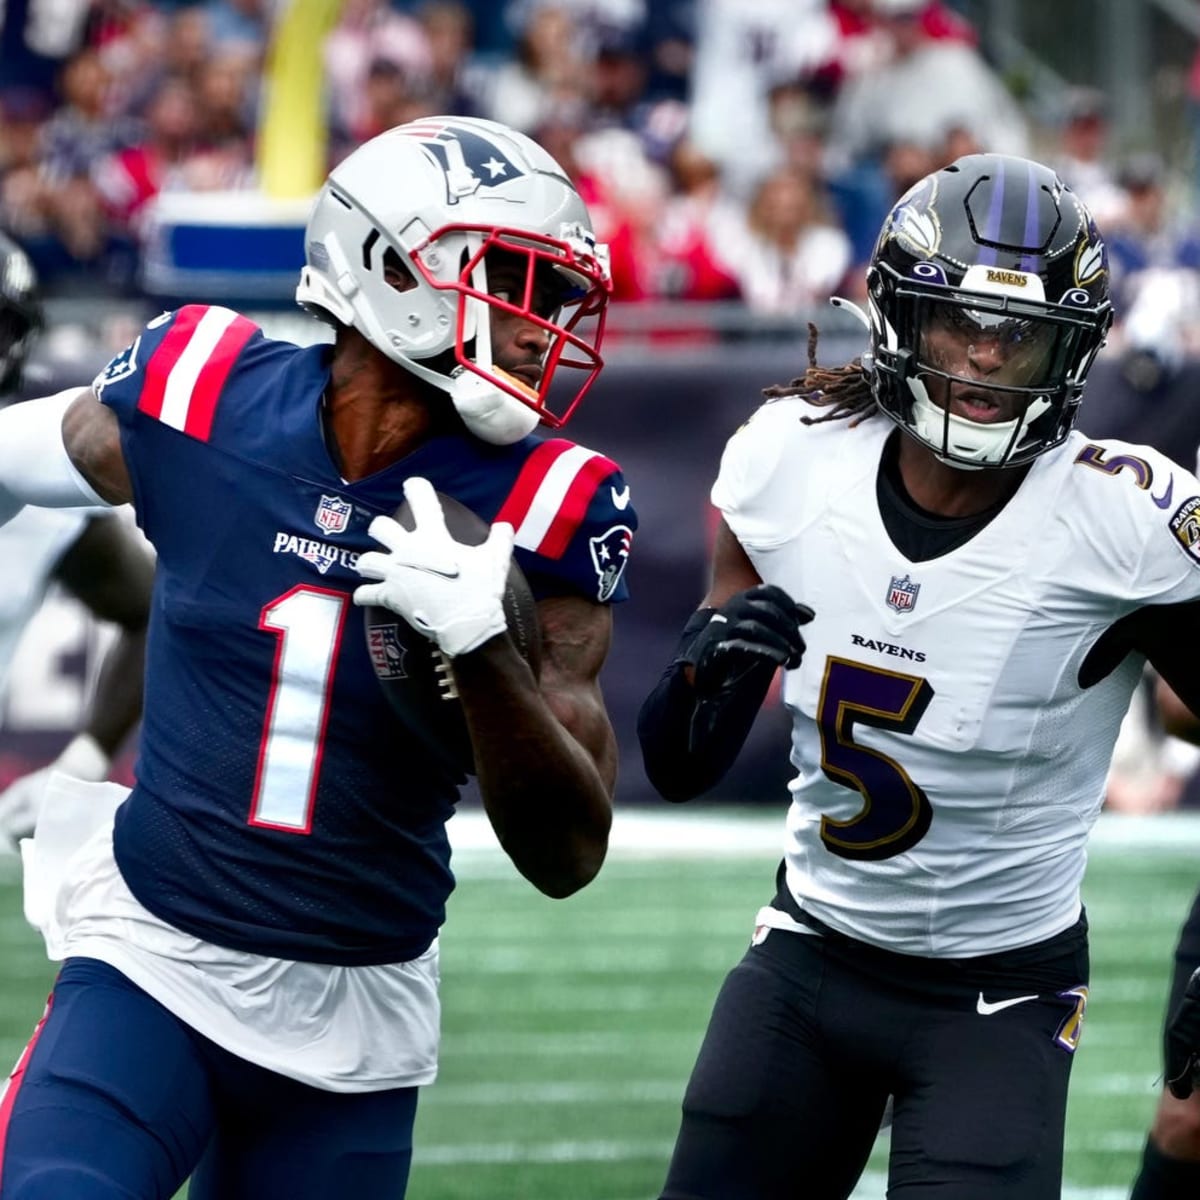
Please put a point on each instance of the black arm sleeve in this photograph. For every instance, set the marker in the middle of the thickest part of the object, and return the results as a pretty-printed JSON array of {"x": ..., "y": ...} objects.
[
  {"x": 1166, "y": 635},
  {"x": 688, "y": 744}
]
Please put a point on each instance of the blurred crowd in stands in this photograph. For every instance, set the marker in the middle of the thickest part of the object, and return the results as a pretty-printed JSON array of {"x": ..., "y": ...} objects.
[{"x": 728, "y": 150}]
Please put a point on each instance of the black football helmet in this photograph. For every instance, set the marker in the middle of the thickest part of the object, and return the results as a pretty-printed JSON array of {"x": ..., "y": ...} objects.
[
  {"x": 998, "y": 245},
  {"x": 20, "y": 312}
]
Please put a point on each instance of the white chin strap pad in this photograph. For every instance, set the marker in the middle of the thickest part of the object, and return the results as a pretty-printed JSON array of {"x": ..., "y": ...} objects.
[
  {"x": 973, "y": 444},
  {"x": 490, "y": 414}
]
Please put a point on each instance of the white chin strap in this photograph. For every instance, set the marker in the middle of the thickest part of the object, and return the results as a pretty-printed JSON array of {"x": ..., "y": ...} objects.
[
  {"x": 972, "y": 444},
  {"x": 490, "y": 414},
  {"x": 487, "y": 411}
]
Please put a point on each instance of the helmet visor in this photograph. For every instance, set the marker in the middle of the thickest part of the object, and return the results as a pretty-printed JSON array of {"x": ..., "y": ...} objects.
[{"x": 996, "y": 349}]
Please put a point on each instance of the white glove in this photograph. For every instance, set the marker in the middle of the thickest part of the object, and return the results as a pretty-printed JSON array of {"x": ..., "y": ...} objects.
[
  {"x": 21, "y": 801},
  {"x": 451, "y": 592}
]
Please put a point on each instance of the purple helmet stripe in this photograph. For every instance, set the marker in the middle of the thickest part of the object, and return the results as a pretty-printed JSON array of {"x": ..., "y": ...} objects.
[
  {"x": 1033, "y": 233},
  {"x": 991, "y": 229}
]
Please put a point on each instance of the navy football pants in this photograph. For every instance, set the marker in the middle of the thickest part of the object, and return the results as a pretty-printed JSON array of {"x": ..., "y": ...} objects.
[
  {"x": 117, "y": 1098},
  {"x": 810, "y": 1035}
]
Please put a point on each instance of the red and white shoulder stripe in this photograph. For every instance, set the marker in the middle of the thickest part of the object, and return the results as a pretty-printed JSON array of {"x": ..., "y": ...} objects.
[
  {"x": 187, "y": 370},
  {"x": 552, "y": 494}
]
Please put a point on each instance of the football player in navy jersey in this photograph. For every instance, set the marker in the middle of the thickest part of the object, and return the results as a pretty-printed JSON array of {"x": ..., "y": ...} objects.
[
  {"x": 88, "y": 551},
  {"x": 962, "y": 592},
  {"x": 249, "y": 992}
]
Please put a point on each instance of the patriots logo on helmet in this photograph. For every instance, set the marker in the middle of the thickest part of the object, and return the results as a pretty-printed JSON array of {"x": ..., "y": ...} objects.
[
  {"x": 610, "y": 552},
  {"x": 469, "y": 160}
]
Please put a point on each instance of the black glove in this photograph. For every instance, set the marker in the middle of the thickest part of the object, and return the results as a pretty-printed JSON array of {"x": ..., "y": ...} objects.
[
  {"x": 1183, "y": 1042},
  {"x": 756, "y": 628}
]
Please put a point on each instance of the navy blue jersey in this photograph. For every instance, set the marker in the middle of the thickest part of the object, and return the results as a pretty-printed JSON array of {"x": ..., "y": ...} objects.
[{"x": 280, "y": 806}]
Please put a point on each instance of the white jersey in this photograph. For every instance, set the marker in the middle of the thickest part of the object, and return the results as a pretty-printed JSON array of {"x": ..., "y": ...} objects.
[
  {"x": 31, "y": 545},
  {"x": 341, "y": 1029},
  {"x": 949, "y": 763}
]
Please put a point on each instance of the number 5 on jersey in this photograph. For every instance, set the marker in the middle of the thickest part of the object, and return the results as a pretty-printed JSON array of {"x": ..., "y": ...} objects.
[{"x": 896, "y": 813}]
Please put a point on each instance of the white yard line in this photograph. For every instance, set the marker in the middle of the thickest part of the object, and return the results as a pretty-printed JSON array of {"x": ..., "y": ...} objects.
[
  {"x": 494, "y": 1153},
  {"x": 730, "y": 833}
]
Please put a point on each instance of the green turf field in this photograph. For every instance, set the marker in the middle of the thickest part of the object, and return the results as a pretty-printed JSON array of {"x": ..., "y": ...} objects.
[{"x": 569, "y": 1027}]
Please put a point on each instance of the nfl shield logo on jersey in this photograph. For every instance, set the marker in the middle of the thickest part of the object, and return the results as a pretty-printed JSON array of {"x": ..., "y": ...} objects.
[
  {"x": 333, "y": 514},
  {"x": 387, "y": 653},
  {"x": 902, "y": 594}
]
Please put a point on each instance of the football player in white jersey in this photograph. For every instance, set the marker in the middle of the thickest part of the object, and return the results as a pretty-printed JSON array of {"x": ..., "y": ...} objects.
[
  {"x": 979, "y": 587},
  {"x": 90, "y": 553}
]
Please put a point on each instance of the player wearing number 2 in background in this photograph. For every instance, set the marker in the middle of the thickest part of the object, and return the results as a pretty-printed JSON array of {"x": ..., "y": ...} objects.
[
  {"x": 978, "y": 586},
  {"x": 249, "y": 995}
]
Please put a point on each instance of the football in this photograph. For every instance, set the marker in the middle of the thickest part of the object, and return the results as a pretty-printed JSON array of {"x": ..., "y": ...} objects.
[{"x": 416, "y": 677}]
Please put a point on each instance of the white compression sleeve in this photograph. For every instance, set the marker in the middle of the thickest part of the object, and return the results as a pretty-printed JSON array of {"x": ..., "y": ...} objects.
[{"x": 34, "y": 465}]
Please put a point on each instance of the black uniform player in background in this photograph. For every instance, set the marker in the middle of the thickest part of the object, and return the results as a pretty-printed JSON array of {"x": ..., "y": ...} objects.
[
  {"x": 1170, "y": 1168},
  {"x": 1148, "y": 394},
  {"x": 89, "y": 552}
]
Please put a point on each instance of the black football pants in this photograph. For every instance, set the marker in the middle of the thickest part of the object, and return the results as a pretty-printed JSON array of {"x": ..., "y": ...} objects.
[
  {"x": 812, "y": 1033},
  {"x": 1187, "y": 959}
]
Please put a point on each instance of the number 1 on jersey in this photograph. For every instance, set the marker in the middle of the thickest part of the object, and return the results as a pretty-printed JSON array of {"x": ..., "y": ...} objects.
[{"x": 307, "y": 623}]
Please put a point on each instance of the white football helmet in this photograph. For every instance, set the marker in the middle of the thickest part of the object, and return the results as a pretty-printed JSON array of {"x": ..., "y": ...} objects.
[{"x": 436, "y": 197}]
